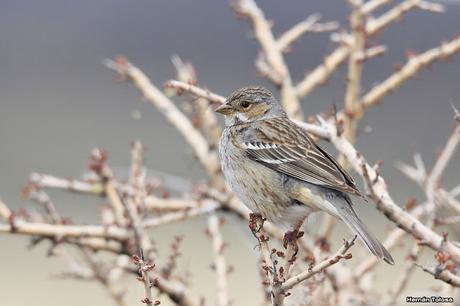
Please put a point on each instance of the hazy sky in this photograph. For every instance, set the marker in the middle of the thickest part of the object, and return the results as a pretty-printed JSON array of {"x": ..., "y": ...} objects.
[{"x": 58, "y": 101}]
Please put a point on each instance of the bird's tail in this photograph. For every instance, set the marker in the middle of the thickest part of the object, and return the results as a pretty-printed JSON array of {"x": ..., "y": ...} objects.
[{"x": 351, "y": 219}]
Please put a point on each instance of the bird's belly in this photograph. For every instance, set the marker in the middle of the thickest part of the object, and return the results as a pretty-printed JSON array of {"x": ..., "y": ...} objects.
[{"x": 262, "y": 190}]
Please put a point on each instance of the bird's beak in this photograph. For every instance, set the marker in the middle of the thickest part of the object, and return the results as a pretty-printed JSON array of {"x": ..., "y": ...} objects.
[{"x": 225, "y": 109}]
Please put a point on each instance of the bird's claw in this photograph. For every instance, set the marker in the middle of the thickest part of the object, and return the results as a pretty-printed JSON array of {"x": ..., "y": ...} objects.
[{"x": 290, "y": 239}]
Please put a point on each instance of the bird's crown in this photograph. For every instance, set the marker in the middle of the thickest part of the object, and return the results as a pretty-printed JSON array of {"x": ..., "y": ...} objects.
[
  {"x": 250, "y": 104},
  {"x": 252, "y": 93}
]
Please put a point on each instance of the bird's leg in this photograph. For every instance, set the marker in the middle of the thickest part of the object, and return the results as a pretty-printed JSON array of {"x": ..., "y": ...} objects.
[{"x": 290, "y": 244}]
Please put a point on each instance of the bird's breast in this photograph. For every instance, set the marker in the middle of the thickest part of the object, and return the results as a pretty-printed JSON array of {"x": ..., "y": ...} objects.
[{"x": 260, "y": 188}]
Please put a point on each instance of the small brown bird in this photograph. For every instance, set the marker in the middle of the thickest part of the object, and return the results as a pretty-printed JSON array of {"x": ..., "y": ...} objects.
[{"x": 275, "y": 168}]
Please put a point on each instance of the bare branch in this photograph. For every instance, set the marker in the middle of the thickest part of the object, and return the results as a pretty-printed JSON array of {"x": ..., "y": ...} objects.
[
  {"x": 371, "y": 52},
  {"x": 206, "y": 207},
  {"x": 5, "y": 211},
  {"x": 443, "y": 159},
  {"x": 195, "y": 139},
  {"x": 203, "y": 115},
  {"x": 196, "y": 91},
  {"x": 256, "y": 224},
  {"x": 43, "y": 198},
  {"x": 219, "y": 260},
  {"x": 273, "y": 54},
  {"x": 74, "y": 270},
  {"x": 353, "y": 109},
  {"x": 265, "y": 70},
  {"x": 310, "y": 24},
  {"x": 98, "y": 244},
  {"x": 156, "y": 204},
  {"x": 375, "y": 25},
  {"x": 432, "y": 7},
  {"x": 416, "y": 173},
  {"x": 144, "y": 268},
  {"x": 321, "y": 73},
  {"x": 175, "y": 290},
  {"x": 413, "y": 65},
  {"x": 372, "y": 5},
  {"x": 340, "y": 255},
  {"x": 383, "y": 200},
  {"x": 263, "y": 32},
  {"x": 447, "y": 220},
  {"x": 442, "y": 274},
  {"x": 50, "y": 181},
  {"x": 100, "y": 273},
  {"x": 53, "y": 230}
]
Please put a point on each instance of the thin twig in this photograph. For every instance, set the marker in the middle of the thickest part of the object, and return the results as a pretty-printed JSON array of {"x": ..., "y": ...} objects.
[
  {"x": 394, "y": 14},
  {"x": 50, "y": 181},
  {"x": 196, "y": 140},
  {"x": 273, "y": 54},
  {"x": 205, "y": 208},
  {"x": 22, "y": 227},
  {"x": 203, "y": 115},
  {"x": 320, "y": 74},
  {"x": 256, "y": 224},
  {"x": 413, "y": 65},
  {"x": 220, "y": 264},
  {"x": 144, "y": 268},
  {"x": 310, "y": 24},
  {"x": 442, "y": 274},
  {"x": 340, "y": 255}
]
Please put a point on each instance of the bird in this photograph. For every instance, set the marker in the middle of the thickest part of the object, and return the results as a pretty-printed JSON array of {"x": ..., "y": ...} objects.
[{"x": 277, "y": 170}]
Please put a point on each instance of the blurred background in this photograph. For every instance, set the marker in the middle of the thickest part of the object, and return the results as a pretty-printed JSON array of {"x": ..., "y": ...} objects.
[{"x": 58, "y": 102}]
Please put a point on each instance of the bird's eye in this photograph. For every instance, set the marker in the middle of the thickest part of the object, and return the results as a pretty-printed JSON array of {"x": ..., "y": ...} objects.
[{"x": 245, "y": 104}]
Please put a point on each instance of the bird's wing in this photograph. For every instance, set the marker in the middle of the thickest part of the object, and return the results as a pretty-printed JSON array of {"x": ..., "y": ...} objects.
[{"x": 285, "y": 147}]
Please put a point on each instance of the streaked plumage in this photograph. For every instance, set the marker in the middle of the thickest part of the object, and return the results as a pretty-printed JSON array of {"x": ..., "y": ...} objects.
[{"x": 279, "y": 172}]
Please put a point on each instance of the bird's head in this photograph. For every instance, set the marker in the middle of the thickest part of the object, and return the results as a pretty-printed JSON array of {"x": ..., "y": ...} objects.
[{"x": 250, "y": 104}]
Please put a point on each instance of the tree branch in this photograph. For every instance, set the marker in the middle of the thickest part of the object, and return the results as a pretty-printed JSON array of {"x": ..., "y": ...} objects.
[
  {"x": 310, "y": 24},
  {"x": 273, "y": 54},
  {"x": 195, "y": 139},
  {"x": 219, "y": 260},
  {"x": 340, "y": 255},
  {"x": 413, "y": 65}
]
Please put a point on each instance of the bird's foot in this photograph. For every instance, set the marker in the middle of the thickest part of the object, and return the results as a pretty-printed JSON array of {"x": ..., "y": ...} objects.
[
  {"x": 256, "y": 224},
  {"x": 290, "y": 244},
  {"x": 290, "y": 241}
]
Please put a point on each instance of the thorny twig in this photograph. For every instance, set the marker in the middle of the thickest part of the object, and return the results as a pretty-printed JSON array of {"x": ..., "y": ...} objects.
[
  {"x": 340, "y": 255},
  {"x": 144, "y": 269}
]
